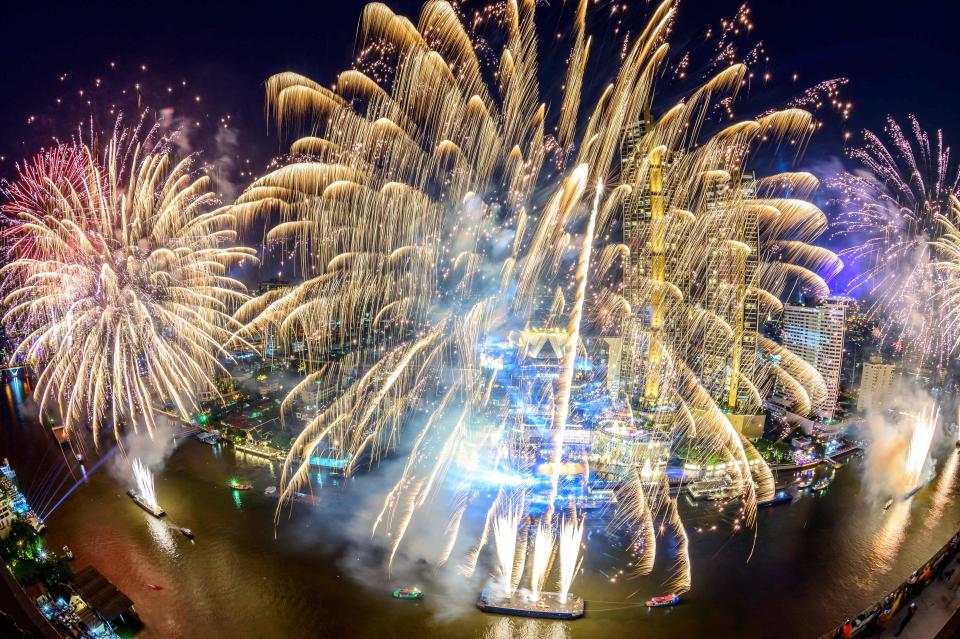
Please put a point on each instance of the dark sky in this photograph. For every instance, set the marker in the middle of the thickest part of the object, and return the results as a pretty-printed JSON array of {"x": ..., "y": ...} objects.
[{"x": 900, "y": 56}]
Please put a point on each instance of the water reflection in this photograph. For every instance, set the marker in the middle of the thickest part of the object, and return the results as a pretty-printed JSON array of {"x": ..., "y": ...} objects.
[
  {"x": 890, "y": 535},
  {"x": 945, "y": 488},
  {"x": 514, "y": 628},
  {"x": 162, "y": 536}
]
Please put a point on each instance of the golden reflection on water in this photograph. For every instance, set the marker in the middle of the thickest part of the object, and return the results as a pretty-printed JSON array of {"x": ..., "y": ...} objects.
[
  {"x": 887, "y": 539},
  {"x": 501, "y": 627},
  {"x": 945, "y": 488},
  {"x": 162, "y": 535}
]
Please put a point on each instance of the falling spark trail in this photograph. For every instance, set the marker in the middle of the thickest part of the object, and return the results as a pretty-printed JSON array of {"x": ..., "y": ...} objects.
[{"x": 562, "y": 409}]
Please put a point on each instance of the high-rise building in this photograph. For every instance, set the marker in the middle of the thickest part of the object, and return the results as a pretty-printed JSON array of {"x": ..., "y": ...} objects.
[
  {"x": 644, "y": 232},
  {"x": 875, "y": 384},
  {"x": 857, "y": 342},
  {"x": 732, "y": 238},
  {"x": 815, "y": 333}
]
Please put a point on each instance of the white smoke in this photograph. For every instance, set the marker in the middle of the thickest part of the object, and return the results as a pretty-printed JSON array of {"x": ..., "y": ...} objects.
[{"x": 888, "y": 430}]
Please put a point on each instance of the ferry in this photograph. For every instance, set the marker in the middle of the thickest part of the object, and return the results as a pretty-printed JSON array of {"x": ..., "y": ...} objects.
[
  {"x": 237, "y": 486},
  {"x": 666, "y": 600},
  {"x": 156, "y": 511},
  {"x": 408, "y": 593},
  {"x": 186, "y": 532}
]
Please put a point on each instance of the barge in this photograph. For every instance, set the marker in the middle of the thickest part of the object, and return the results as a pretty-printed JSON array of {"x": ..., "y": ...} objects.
[
  {"x": 156, "y": 511},
  {"x": 548, "y": 606}
]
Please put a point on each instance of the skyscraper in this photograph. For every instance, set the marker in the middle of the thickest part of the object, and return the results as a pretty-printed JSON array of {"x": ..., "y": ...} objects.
[{"x": 815, "y": 333}]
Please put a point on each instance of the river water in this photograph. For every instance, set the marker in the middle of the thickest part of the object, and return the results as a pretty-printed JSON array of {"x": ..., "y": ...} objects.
[{"x": 813, "y": 562}]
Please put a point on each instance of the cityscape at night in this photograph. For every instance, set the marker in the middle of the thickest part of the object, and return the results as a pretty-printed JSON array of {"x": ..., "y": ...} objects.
[{"x": 480, "y": 318}]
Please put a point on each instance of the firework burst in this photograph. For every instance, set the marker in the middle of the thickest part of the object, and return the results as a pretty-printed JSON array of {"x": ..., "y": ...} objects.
[
  {"x": 441, "y": 213},
  {"x": 117, "y": 283},
  {"x": 894, "y": 213}
]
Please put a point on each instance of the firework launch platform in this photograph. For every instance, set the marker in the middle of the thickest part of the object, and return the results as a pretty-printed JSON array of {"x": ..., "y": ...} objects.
[
  {"x": 520, "y": 604},
  {"x": 156, "y": 511}
]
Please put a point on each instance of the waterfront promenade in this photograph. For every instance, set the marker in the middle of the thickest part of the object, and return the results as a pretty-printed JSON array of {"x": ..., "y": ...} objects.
[{"x": 937, "y": 615}]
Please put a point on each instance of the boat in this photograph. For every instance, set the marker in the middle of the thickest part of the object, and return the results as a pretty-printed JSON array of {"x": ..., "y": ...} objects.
[
  {"x": 212, "y": 438},
  {"x": 666, "y": 600},
  {"x": 154, "y": 587},
  {"x": 804, "y": 483},
  {"x": 548, "y": 606},
  {"x": 187, "y": 532},
  {"x": 61, "y": 435},
  {"x": 408, "y": 593},
  {"x": 888, "y": 503},
  {"x": 67, "y": 553},
  {"x": 312, "y": 500},
  {"x": 156, "y": 511},
  {"x": 270, "y": 491},
  {"x": 236, "y": 486},
  {"x": 713, "y": 489},
  {"x": 822, "y": 483},
  {"x": 781, "y": 497}
]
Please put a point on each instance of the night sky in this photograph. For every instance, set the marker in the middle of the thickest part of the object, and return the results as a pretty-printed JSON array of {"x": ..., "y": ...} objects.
[{"x": 900, "y": 58}]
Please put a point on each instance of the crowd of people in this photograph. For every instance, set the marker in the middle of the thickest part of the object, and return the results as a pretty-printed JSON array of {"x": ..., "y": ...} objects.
[{"x": 879, "y": 617}]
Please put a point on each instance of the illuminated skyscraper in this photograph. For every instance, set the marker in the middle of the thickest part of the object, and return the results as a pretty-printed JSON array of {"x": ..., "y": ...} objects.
[
  {"x": 732, "y": 237},
  {"x": 815, "y": 333}
]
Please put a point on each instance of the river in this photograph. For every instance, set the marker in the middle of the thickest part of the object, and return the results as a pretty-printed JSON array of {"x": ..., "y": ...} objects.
[{"x": 813, "y": 562}]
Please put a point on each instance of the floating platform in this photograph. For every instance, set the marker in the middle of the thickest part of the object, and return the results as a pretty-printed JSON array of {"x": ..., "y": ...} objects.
[
  {"x": 518, "y": 604},
  {"x": 156, "y": 511}
]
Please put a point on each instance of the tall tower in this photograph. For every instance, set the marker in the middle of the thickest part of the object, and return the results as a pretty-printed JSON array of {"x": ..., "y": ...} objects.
[
  {"x": 815, "y": 333},
  {"x": 646, "y": 276},
  {"x": 729, "y": 295},
  {"x": 635, "y": 209}
]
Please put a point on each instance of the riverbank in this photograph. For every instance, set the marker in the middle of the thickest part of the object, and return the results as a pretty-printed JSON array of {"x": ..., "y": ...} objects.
[{"x": 932, "y": 587}]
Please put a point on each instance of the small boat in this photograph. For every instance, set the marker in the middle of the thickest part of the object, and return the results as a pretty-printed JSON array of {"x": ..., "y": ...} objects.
[
  {"x": 61, "y": 435},
  {"x": 236, "y": 486},
  {"x": 666, "y": 600},
  {"x": 270, "y": 491},
  {"x": 804, "y": 483},
  {"x": 67, "y": 553},
  {"x": 154, "y": 587},
  {"x": 823, "y": 483},
  {"x": 781, "y": 497},
  {"x": 408, "y": 593},
  {"x": 889, "y": 503},
  {"x": 186, "y": 532}
]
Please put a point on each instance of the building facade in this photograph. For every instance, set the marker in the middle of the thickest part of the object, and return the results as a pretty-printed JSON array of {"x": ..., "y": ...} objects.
[
  {"x": 815, "y": 333},
  {"x": 875, "y": 384}
]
